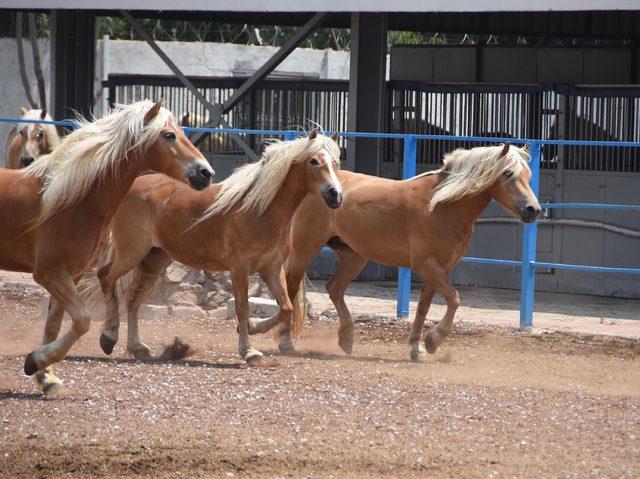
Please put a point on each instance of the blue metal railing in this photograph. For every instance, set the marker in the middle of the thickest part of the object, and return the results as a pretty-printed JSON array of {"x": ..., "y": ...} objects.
[{"x": 528, "y": 263}]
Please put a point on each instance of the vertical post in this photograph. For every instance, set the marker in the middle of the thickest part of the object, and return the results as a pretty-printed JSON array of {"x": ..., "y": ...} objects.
[
  {"x": 404, "y": 274},
  {"x": 529, "y": 238}
]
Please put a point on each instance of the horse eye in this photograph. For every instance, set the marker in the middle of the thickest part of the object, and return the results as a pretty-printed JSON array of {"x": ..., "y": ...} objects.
[
  {"x": 314, "y": 161},
  {"x": 508, "y": 174},
  {"x": 170, "y": 135},
  {"x": 39, "y": 135}
]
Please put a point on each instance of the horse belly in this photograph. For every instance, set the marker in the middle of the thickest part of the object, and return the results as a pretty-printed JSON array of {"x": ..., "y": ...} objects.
[{"x": 378, "y": 236}]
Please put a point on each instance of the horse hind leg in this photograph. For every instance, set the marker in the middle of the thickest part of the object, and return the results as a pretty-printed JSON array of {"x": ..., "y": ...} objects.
[
  {"x": 418, "y": 352},
  {"x": 144, "y": 279},
  {"x": 351, "y": 263},
  {"x": 46, "y": 378}
]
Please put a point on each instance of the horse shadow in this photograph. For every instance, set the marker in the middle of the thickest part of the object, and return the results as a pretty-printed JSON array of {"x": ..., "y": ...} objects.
[{"x": 192, "y": 363}]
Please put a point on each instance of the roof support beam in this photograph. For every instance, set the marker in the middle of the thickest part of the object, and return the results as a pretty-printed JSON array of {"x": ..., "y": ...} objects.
[
  {"x": 214, "y": 110},
  {"x": 301, "y": 34}
]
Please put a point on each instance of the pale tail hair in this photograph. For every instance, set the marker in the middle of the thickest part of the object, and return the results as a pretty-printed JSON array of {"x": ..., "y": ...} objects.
[
  {"x": 50, "y": 130},
  {"x": 470, "y": 172},
  {"x": 259, "y": 183},
  {"x": 92, "y": 152}
]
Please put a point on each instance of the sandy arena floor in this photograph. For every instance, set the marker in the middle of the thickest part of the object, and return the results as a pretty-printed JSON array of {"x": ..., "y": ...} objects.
[{"x": 492, "y": 402}]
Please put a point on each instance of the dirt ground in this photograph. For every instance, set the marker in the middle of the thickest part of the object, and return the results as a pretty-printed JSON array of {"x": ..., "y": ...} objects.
[{"x": 493, "y": 402}]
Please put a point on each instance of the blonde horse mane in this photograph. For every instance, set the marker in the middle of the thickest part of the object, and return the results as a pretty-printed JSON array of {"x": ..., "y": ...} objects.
[
  {"x": 469, "y": 172},
  {"x": 261, "y": 181},
  {"x": 50, "y": 130},
  {"x": 92, "y": 152}
]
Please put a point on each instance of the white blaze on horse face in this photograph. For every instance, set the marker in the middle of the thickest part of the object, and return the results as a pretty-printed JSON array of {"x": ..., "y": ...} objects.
[{"x": 328, "y": 159}]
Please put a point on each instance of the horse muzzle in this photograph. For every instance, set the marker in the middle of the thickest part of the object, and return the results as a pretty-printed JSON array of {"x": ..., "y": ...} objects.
[
  {"x": 332, "y": 196},
  {"x": 199, "y": 176},
  {"x": 529, "y": 212},
  {"x": 26, "y": 161}
]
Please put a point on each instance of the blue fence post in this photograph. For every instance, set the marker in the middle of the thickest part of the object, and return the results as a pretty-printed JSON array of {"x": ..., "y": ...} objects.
[
  {"x": 529, "y": 239},
  {"x": 404, "y": 274}
]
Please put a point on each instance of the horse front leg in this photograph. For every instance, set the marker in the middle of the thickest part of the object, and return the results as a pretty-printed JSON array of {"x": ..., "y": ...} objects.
[
  {"x": 62, "y": 287},
  {"x": 351, "y": 263},
  {"x": 276, "y": 281},
  {"x": 46, "y": 378},
  {"x": 418, "y": 352},
  {"x": 433, "y": 273},
  {"x": 240, "y": 287}
]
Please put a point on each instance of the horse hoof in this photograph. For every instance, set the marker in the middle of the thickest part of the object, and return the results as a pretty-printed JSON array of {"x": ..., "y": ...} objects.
[
  {"x": 52, "y": 389},
  {"x": 430, "y": 344},
  {"x": 346, "y": 345},
  {"x": 418, "y": 356},
  {"x": 256, "y": 361},
  {"x": 30, "y": 365},
  {"x": 107, "y": 344},
  {"x": 142, "y": 355},
  {"x": 287, "y": 348}
]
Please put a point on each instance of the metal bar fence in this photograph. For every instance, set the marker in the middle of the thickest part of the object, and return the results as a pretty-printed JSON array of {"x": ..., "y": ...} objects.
[{"x": 528, "y": 263}]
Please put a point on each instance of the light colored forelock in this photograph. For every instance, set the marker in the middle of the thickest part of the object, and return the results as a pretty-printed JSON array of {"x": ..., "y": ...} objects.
[
  {"x": 470, "y": 172},
  {"x": 92, "y": 152},
  {"x": 53, "y": 139},
  {"x": 260, "y": 182}
]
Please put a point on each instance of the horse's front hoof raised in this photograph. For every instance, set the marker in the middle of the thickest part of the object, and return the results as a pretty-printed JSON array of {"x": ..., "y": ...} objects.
[
  {"x": 430, "y": 343},
  {"x": 107, "y": 344},
  {"x": 30, "y": 365},
  {"x": 346, "y": 344}
]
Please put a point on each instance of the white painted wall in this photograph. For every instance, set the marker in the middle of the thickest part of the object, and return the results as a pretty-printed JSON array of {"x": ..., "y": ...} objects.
[{"x": 224, "y": 59}]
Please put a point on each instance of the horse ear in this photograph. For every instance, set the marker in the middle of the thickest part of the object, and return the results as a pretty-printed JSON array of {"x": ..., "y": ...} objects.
[
  {"x": 335, "y": 136},
  {"x": 313, "y": 134},
  {"x": 185, "y": 119},
  {"x": 153, "y": 111},
  {"x": 23, "y": 111},
  {"x": 43, "y": 113},
  {"x": 525, "y": 148},
  {"x": 505, "y": 148}
]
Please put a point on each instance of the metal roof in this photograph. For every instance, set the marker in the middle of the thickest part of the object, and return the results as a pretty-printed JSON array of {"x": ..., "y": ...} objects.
[{"x": 331, "y": 5}]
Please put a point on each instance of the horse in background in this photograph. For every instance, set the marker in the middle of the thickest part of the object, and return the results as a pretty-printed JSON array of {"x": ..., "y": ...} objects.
[
  {"x": 28, "y": 141},
  {"x": 424, "y": 223},
  {"x": 56, "y": 213}
]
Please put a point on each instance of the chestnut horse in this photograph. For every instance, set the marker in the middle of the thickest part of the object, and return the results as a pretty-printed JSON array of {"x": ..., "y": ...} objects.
[
  {"x": 240, "y": 225},
  {"x": 55, "y": 214},
  {"x": 424, "y": 223},
  {"x": 28, "y": 141}
]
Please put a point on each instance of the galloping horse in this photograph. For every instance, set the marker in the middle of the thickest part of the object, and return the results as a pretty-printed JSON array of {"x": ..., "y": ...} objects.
[
  {"x": 28, "y": 141},
  {"x": 424, "y": 223},
  {"x": 55, "y": 214},
  {"x": 240, "y": 225}
]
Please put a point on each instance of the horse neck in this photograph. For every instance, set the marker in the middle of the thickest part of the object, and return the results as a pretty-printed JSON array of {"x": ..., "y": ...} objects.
[
  {"x": 112, "y": 189},
  {"x": 466, "y": 210},
  {"x": 288, "y": 199}
]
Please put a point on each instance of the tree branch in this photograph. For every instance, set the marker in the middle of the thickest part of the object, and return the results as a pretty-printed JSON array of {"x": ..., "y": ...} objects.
[
  {"x": 23, "y": 70},
  {"x": 37, "y": 65}
]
